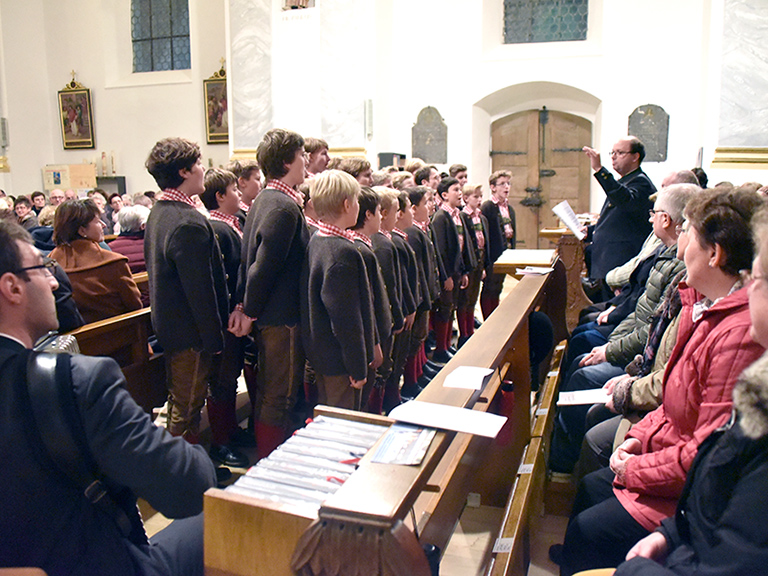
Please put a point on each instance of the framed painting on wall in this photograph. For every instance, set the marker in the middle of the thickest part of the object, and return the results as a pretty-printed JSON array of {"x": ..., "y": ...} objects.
[
  {"x": 76, "y": 117},
  {"x": 216, "y": 123}
]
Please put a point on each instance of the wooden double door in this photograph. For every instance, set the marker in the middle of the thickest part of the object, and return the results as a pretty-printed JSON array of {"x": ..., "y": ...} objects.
[{"x": 542, "y": 150}]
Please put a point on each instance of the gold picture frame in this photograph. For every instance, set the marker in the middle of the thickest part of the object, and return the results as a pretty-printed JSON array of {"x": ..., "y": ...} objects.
[
  {"x": 76, "y": 116},
  {"x": 216, "y": 120}
]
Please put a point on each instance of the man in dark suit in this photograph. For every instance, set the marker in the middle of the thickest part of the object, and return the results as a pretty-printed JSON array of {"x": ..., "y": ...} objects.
[
  {"x": 623, "y": 224},
  {"x": 47, "y": 520}
]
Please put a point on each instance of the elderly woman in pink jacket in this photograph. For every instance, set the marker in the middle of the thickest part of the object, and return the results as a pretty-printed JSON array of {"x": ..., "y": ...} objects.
[{"x": 618, "y": 506}]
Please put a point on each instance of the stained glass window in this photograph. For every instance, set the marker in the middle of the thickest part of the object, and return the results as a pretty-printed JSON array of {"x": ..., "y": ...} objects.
[
  {"x": 544, "y": 20},
  {"x": 160, "y": 34}
]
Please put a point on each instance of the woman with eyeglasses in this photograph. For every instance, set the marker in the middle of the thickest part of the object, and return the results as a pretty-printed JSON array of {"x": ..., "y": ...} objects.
[
  {"x": 719, "y": 527},
  {"x": 102, "y": 284},
  {"x": 617, "y": 506}
]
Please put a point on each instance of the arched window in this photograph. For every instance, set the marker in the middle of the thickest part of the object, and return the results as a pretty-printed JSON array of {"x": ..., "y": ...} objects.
[
  {"x": 545, "y": 20},
  {"x": 160, "y": 35}
]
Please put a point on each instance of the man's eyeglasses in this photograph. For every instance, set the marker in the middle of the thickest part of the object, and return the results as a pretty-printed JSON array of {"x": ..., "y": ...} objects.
[
  {"x": 620, "y": 153},
  {"x": 682, "y": 227},
  {"x": 47, "y": 267},
  {"x": 653, "y": 212}
]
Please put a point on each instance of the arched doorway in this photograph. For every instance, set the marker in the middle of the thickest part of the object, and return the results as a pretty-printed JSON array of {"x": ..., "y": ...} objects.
[{"x": 542, "y": 150}]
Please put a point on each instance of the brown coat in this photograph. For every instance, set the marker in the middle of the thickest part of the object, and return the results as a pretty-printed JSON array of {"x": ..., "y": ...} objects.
[{"x": 102, "y": 285}]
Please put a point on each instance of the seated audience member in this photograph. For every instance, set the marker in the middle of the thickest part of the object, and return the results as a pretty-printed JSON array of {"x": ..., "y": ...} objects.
[
  {"x": 718, "y": 527},
  {"x": 117, "y": 204},
  {"x": 56, "y": 197},
  {"x": 99, "y": 197},
  {"x": 617, "y": 506},
  {"x": 38, "y": 201},
  {"x": 26, "y": 217},
  {"x": 701, "y": 176},
  {"x": 43, "y": 234},
  {"x": 619, "y": 276},
  {"x": 101, "y": 280},
  {"x": 359, "y": 168},
  {"x": 70, "y": 194},
  {"x": 130, "y": 241},
  {"x": 143, "y": 199},
  {"x": 606, "y": 360},
  {"x": 46, "y": 519},
  {"x": 337, "y": 317},
  {"x": 317, "y": 156}
]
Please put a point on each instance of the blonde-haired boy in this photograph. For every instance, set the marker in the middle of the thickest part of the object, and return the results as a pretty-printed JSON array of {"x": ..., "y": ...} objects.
[{"x": 336, "y": 307}]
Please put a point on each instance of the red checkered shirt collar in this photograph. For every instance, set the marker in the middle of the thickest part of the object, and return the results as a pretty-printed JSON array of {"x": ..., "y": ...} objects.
[
  {"x": 363, "y": 238},
  {"x": 400, "y": 233},
  {"x": 500, "y": 203},
  {"x": 330, "y": 230},
  {"x": 386, "y": 234},
  {"x": 174, "y": 195},
  {"x": 311, "y": 222},
  {"x": 475, "y": 214},
  {"x": 226, "y": 218},
  {"x": 423, "y": 226},
  {"x": 244, "y": 207},
  {"x": 284, "y": 188},
  {"x": 454, "y": 213}
]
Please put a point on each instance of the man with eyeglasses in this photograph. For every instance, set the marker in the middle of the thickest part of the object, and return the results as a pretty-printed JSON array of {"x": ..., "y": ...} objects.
[
  {"x": 623, "y": 224},
  {"x": 47, "y": 521}
]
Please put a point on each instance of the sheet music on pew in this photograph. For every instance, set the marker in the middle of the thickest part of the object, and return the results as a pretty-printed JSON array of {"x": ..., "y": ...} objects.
[
  {"x": 404, "y": 444},
  {"x": 311, "y": 465},
  {"x": 449, "y": 418}
]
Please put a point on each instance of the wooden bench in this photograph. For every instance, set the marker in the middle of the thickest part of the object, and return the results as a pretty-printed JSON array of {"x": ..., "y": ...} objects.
[
  {"x": 381, "y": 498},
  {"x": 125, "y": 339}
]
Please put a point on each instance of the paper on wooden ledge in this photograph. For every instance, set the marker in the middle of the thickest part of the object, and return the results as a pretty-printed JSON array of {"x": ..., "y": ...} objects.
[
  {"x": 469, "y": 377},
  {"x": 449, "y": 418},
  {"x": 580, "y": 397}
]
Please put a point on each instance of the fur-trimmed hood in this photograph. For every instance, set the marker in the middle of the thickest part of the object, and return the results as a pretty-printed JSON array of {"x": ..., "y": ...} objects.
[{"x": 750, "y": 398}]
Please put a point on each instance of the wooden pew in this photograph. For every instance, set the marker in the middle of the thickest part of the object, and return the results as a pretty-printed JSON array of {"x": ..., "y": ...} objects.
[
  {"x": 247, "y": 536},
  {"x": 124, "y": 338}
]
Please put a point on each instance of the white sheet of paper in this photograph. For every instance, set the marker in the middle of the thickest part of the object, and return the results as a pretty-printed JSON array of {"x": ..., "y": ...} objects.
[
  {"x": 597, "y": 396},
  {"x": 449, "y": 418},
  {"x": 569, "y": 218},
  {"x": 534, "y": 270},
  {"x": 470, "y": 377}
]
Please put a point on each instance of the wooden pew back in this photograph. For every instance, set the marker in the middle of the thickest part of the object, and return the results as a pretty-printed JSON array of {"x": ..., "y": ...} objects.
[{"x": 125, "y": 339}]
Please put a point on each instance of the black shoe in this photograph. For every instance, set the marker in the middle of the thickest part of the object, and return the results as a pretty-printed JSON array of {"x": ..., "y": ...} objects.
[
  {"x": 222, "y": 474},
  {"x": 434, "y": 366},
  {"x": 462, "y": 340},
  {"x": 410, "y": 391},
  {"x": 442, "y": 357},
  {"x": 556, "y": 554},
  {"x": 423, "y": 380},
  {"x": 229, "y": 457},
  {"x": 430, "y": 371},
  {"x": 477, "y": 323},
  {"x": 242, "y": 439},
  {"x": 452, "y": 350}
]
